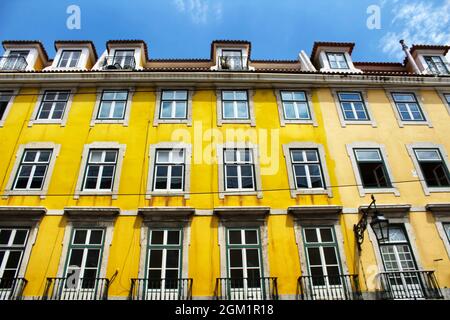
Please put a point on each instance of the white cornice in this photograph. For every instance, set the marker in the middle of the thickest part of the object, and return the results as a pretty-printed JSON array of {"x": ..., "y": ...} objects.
[{"x": 219, "y": 78}]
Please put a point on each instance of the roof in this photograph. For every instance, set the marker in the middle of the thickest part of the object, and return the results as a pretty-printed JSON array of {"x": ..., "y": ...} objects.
[
  {"x": 245, "y": 42},
  {"x": 415, "y": 47},
  {"x": 25, "y": 42},
  {"x": 318, "y": 44},
  {"x": 132, "y": 41},
  {"x": 88, "y": 42}
]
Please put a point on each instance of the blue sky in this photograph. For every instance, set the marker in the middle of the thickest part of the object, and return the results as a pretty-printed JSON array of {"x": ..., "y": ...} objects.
[{"x": 278, "y": 29}]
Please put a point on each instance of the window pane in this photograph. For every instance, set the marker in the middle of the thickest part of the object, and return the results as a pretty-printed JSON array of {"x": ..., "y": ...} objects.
[
  {"x": 349, "y": 96},
  {"x": 289, "y": 110},
  {"x": 157, "y": 237},
  {"x": 173, "y": 237},
  {"x": 92, "y": 258},
  {"x": 311, "y": 155},
  {"x": 228, "y": 110},
  {"x": 80, "y": 237},
  {"x": 428, "y": 155},
  {"x": 252, "y": 258},
  {"x": 20, "y": 238},
  {"x": 326, "y": 235},
  {"x": 232, "y": 183},
  {"x": 404, "y": 97},
  {"x": 303, "y": 110},
  {"x": 311, "y": 235},
  {"x": 235, "y": 258},
  {"x": 180, "y": 111},
  {"x": 368, "y": 155},
  {"x": 76, "y": 257},
  {"x": 166, "y": 109},
  {"x": 297, "y": 155},
  {"x": 314, "y": 257},
  {"x": 242, "y": 110},
  {"x": 330, "y": 255},
  {"x": 177, "y": 171},
  {"x": 396, "y": 234},
  {"x": 172, "y": 258},
  {"x": 96, "y": 237},
  {"x": 155, "y": 260},
  {"x": 119, "y": 110},
  {"x": 5, "y": 234},
  {"x": 251, "y": 237},
  {"x": 234, "y": 236}
]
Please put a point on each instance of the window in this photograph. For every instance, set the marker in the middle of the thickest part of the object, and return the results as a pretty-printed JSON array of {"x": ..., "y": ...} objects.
[
  {"x": 235, "y": 105},
  {"x": 5, "y": 98},
  {"x": 112, "y": 105},
  {"x": 352, "y": 106},
  {"x": 16, "y": 60},
  {"x": 337, "y": 60},
  {"x": 164, "y": 258},
  {"x": 436, "y": 65},
  {"x": 244, "y": 259},
  {"x": 408, "y": 107},
  {"x": 398, "y": 259},
  {"x": 124, "y": 58},
  {"x": 173, "y": 104},
  {"x": 307, "y": 169},
  {"x": 53, "y": 105},
  {"x": 232, "y": 60},
  {"x": 295, "y": 105},
  {"x": 12, "y": 247},
  {"x": 447, "y": 230},
  {"x": 447, "y": 98},
  {"x": 69, "y": 59},
  {"x": 84, "y": 257},
  {"x": 372, "y": 169},
  {"x": 239, "y": 169},
  {"x": 32, "y": 169},
  {"x": 100, "y": 170},
  {"x": 433, "y": 168},
  {"x": 322, "y": 256},
  {"x": 169, "y": 170}
]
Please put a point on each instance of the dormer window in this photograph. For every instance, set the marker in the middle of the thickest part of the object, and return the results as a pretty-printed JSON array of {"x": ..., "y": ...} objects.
[
  {"x": 69, "y": 59},
  {"x": 16, "y": 60},
  {"x": 436, "y": 65},
  {"x": 122, "y": 59},
  {"x": 231, "y": 60},
  {"x": 337, "y": 60}
]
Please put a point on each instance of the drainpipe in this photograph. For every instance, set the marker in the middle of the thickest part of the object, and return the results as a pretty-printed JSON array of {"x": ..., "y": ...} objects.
[{"x": 409, "y": 57}]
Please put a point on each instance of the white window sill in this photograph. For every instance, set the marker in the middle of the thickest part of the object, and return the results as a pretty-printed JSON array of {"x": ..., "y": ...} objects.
[
  {"x": 110, "y": 121},
  {"x": 96, "y": 193},
  {"x": 295, "y": 193},
  {"x": 364, "y": 191},
  {"x": 299, "y": 121},
  {"x": 222, "y": 194},
  {"x": 172, "y": 121},
  {"x": 360, "y": 122},
  {"x": 437, "y": 189},
  {"x": 236, "y": 121},
  {"x": 46, "y": 122},
  {"x": 40, "y": 193},
  {"x": 170, "y": 193}
]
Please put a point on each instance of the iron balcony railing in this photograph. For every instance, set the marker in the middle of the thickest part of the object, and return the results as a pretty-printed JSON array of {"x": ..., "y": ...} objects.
[
  {"x": 119, "y": 63},
  {"x": 13, "y": 63},
  {"x": 161, "y": 289},
  {"x": 332, "y": 287},
  {"x": 409, "y": 285},
  {"x": 83, "y": 289},
  {"x": 233, "y": 62},
  {"x": 246, "y": 289},
  {"x": 12, "y": 288}
]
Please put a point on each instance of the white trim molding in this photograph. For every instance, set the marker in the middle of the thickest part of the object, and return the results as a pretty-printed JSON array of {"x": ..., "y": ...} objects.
[
  {"x": 126, "y": 118},
  {"x": 441, "y": 213},
  {"x": 323, "y": 164},
  {"x": 370, "y": 145},
  {"x": 157, "y": 112},
  {"x": 419, "y": 99},
  {"x": 250, "y": 104},
  {"x": 14, "y": 93},
  {"x": 84, "y": 158},
  {"x": 63, "y": 121},
  {"x": 309, "y": 102},
  {"x": 187, "y": 169},
  {"x": 363, "y": 93},
  {"x": 428, "y": 145},
  {"x": 9, "y": 191},
  {"x": 220, "y": 165}
]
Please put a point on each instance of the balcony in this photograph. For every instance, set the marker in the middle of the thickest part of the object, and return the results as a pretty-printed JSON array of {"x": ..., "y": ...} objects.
[
  {"x": 161, "y": 289},
  {"x": 246, "y": 289},
  {"x": 338, "y": 287},
  {"x": 233, "y": 63},
  {"x": 70, "y": 289},
  {"x": 12, "y": 288},
  {"x": 119, "y": 63},
  {"x": 13, "y": 63},
  {"x": 409, "y": 285}
]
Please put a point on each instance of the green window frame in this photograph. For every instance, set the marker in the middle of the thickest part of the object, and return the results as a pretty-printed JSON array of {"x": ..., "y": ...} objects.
[
  {"x": 87, "y": 248},
  {"x": 322, "y": 256},
  {"x": 163, "y": 243},
  {"x": 13, "y": 241}
]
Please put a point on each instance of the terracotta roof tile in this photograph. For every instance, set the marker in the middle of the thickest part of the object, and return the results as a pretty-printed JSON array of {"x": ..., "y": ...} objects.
[
  {"x": 20, "y": 42},
  {"x": 78, "y": 42},
  {"x": 331, "y": 44},
  {"x": 136, "y": 41}
]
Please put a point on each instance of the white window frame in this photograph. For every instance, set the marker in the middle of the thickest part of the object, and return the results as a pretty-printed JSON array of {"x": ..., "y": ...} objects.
[
  {"x": 291, "y": 178},
  {"x": 63, "y": 121},
  {"x": 308, "y": 94},
  {"x": 14, "y": 93},
  {"x": 364, "y": 99},
  {"x": 221, "y": 167},
  {"x": 237, "y": 163},
  {"x": 126, "y": 118},
  {"x": 428, "y": 145},
  {"x": 116, "y": 182},
  {"x": 420, "y": 102},
  {"x": 250, "y": 104},
  {"x": 442, "y": 93},
  {"x": 71, "y": 54},
  {"x": 188, "y": 120},
  {"x": 187, "y": 170},
  {"x": 371, "y": 145},
  {"x": 82, "y": 61},
  {"x": 9, "y": 191},
  {"x": 337, "y": 53}
]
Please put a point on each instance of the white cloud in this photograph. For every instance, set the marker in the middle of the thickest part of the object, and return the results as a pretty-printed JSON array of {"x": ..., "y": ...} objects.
[
  {"x": 418, "y": 22},
  {"x": 200, "y": 11}
]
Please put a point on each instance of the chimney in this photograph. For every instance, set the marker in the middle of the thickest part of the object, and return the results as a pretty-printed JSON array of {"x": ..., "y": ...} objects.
[{"x": 409, "y": 57}]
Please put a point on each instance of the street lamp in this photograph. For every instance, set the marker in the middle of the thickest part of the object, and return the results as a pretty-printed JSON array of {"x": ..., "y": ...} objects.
[{"x": 379, "y": 224}]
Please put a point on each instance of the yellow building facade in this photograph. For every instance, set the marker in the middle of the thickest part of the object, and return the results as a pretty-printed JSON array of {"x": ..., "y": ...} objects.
[{"x": 125, "y": 177}]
